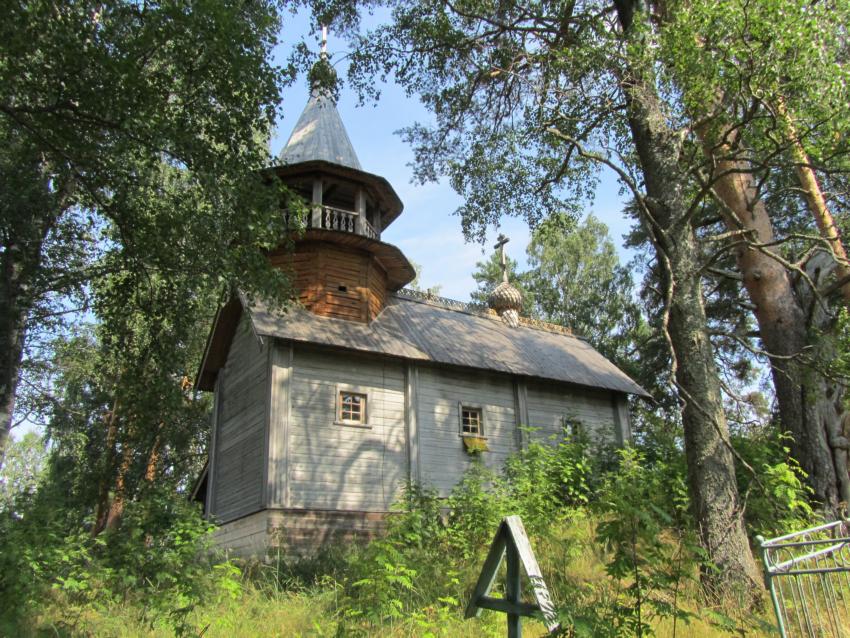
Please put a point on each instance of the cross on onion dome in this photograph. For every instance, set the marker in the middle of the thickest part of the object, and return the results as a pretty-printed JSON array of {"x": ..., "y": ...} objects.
[{"x": 505, "y": 299}]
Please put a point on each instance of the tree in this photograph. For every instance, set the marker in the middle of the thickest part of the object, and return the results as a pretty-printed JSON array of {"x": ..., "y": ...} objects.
[
  {"x": 417, "y": 286},
  {"x": 138, "y": 127},
  {"x": 123, "y": 418},
  {"x": 488, "y": 275},
  {"x": 736, "y": 86},
  {"x": 526, "y": 94},
  {"x": 577, "y": 281},
  {"x": 22, "y": 471}
]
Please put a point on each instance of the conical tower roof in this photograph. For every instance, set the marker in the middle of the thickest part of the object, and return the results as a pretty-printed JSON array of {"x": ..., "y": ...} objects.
[
  {"x": 320, "y": 135},
  {"x": 319, "y": 145}
]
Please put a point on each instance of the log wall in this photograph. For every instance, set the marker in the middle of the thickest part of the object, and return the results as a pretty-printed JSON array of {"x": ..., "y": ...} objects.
[{"x": 336, "y": 281}]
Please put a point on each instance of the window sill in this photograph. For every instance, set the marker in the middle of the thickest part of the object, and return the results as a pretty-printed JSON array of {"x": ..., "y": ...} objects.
[{"x": 360, "y": 426}]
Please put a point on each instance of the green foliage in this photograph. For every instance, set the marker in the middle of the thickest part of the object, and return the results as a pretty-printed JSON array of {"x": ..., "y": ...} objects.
[
  {"x": 22, "y": 469},
  {"x": 578, "y": 282},
  {"x": 488, "y": 275},
  {"x": 642, "y": 539},
  {"x": 612, "y": 536},
  {"x": 476, "y": 505},
  {"x": 575, "y": 280},
  {"x": 547, "y": 478},
  {"x": 778, "y": 500},
  {"x": 399, "y": 575},
  {"x": 159, "y": 562},
  {"x": 133, "y": 140},
  {"x": 650, "y": 555}
]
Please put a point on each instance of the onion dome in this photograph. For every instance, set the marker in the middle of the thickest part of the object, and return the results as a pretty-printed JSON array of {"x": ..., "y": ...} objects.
[{"x": 506, "y": 300}]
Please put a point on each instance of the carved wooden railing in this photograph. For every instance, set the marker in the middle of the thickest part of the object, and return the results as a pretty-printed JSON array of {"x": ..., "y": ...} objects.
[
  {"x": 346, "y": 221},
  {"x": 338, "y": 219},
  {"x": 369, "y": 230}
]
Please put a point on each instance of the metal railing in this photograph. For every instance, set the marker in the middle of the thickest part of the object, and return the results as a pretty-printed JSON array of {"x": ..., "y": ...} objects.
[{"x": 808, "y": 576}]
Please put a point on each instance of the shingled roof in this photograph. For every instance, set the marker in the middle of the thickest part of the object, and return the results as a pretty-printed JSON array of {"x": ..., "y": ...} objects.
[
  {"x": 320, "y": 135},
  {"x": 417, "y": 330}
]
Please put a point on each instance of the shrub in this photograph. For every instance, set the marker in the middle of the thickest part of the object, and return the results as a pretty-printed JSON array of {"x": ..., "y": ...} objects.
[
  {"x": 773, "y": 485},
  {"x": 158, "y": 561},
  {"x": 651, "y": 556},
  {"x": 545, "y": 479}
]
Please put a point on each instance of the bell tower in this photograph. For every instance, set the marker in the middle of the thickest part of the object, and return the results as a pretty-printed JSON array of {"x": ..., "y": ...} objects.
[{"x": 340, "y": 266}]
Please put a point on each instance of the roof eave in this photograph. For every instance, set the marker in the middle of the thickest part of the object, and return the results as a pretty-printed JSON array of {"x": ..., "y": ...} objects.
[
  {"x": 218, "y": 343},
  {"x": 389, "y": 198}
]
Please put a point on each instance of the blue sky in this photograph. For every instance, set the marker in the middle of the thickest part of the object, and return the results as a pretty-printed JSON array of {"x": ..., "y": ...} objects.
[{"x": 427, "y": 231}]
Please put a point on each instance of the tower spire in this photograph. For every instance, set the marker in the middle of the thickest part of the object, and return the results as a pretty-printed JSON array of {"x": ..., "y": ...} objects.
[{"x": 324, "y": 52}]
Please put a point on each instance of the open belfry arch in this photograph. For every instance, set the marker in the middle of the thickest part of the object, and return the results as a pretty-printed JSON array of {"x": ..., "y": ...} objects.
[{"x": 324, "y": 410}]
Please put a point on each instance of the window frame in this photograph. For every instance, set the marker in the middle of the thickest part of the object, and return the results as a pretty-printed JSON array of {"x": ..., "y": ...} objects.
[
  {"x": 343, "y": 388},
  {"x": 461, "y": 406}
]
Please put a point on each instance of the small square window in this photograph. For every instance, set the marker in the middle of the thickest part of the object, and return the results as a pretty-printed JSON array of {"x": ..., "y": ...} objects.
[
  {"x": 352, "y": 407},
  {"x": 470, "y": 421}
]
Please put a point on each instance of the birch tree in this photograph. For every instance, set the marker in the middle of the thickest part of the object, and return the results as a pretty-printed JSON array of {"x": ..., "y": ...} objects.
[{"x": 138, "y": 125}]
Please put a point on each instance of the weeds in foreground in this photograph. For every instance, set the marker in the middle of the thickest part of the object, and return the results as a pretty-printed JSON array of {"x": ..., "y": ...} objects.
[{"x": 615, "y": 546}]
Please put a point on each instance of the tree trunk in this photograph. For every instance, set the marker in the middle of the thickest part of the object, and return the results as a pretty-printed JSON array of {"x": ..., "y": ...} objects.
[
  {"x": 24, "y": 230},
  {"x": 816, "y": 202},
  {"x": 19, "y": 263},
  {"x": 153, "y": 455},
  {"x": 711, "y": 471},
  {"x": 116, "y": 508},
  {"x": 781, "y": 319},
  {"x": 12, "y": 332},
  {"x": 102, "y": 505},
  {"x": 826, "y": 404},
  {"x": 708, "y": 451}
]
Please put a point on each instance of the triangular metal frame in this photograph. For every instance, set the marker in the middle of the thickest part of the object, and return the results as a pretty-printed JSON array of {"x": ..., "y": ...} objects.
[{"x": 511, "y": 542}]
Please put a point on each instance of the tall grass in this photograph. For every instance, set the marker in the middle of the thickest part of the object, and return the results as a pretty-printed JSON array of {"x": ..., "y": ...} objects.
[{"x": 615, "y": 546}]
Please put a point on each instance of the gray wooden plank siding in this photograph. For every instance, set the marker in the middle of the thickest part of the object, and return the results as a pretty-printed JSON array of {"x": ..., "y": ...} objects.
[
  {"x": 332, "y": 466},
  {"x": 277, "y": 494},
  {"x": 440, "y": 392},
  {"x": 240, "y": 440},
  {"x": 550, "y": 403}
]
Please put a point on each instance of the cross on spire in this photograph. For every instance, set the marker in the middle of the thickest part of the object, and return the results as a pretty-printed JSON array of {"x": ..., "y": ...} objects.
[{"x": 500, "y": 246}]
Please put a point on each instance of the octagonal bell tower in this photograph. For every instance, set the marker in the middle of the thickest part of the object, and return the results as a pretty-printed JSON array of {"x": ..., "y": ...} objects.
[{"x": 340, "y": 266}]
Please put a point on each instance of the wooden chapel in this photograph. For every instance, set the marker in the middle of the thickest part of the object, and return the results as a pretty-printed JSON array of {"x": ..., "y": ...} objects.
[{"x": 323, "y": 411}]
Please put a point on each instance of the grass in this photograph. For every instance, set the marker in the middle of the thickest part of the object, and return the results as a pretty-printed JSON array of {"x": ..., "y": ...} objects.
[
  {"x": 573, "y": 564},
  {"x": 322, "y": 597},
  {"x": 260, "y": 613}
]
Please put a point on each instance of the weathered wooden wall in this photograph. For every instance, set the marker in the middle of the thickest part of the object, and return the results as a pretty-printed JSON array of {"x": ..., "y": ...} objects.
[
  {"x": 240, "y": 432},
  {"x": 343, "y": 467},
  {"x": 305, "y": 462},
  {"x": 244, "y": 537},
  {"x": 441, "y": 391},
  {"x": 550, "y": 403}
]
